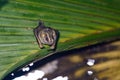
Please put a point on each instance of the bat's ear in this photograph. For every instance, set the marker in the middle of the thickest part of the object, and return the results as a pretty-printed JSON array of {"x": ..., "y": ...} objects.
[{"x": 40, "y": 23}]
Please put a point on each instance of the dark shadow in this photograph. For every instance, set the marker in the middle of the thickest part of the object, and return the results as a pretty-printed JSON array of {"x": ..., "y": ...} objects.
[
  {"x": 2, "y": 3},
  {"x": 92, "y": 49}
]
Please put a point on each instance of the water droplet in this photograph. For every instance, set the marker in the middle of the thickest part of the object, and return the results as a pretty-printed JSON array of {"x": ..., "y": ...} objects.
[
  {"x": 90, "y": 62},
  {"x": 31, "y": 64},
  {"x": 32, "y": 76},
  {"x": 12, "y": 74},
  {"x": 25, "y": 69},
  {"x": 39, "y": 74},
  {"x": 90, "y": 72},
  {"x": 60, "y": 78},
  {"x": 20, "y": 78},
  {"x": 45, "y": 78}
]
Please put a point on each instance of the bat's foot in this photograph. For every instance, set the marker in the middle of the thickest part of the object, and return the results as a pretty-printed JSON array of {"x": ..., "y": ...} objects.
[
  {"x": 52, "y": 47},
  {"x": 41, "y": 47}
]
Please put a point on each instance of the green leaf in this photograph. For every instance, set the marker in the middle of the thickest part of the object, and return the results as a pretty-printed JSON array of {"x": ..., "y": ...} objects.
[{"x": 80, "y": 22}]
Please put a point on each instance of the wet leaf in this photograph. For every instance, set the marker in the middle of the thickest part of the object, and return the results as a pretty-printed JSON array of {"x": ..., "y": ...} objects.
[{"x": 81, "y": 23}]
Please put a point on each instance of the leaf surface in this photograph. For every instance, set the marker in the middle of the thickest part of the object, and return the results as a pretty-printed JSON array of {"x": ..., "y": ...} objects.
[{"x": 81, "y": 23}]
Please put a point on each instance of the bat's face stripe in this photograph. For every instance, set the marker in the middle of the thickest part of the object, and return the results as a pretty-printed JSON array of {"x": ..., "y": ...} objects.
[{"x": 47, "y": 36}]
